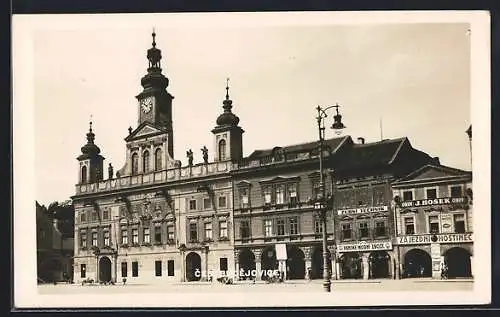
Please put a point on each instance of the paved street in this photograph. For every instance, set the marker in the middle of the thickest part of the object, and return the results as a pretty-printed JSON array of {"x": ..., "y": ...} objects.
[{"x": 289, "y": 286}]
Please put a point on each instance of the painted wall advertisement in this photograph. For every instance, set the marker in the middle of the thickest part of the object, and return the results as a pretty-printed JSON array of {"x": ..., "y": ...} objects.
[{"x": 447, "y": 223}]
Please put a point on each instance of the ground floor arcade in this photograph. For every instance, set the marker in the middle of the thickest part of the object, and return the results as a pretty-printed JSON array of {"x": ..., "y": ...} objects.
[{"x": 428, "y": 260}]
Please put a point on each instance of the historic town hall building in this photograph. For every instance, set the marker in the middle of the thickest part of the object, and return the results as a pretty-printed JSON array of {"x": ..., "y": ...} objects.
[{"x": 154, "y": 220}]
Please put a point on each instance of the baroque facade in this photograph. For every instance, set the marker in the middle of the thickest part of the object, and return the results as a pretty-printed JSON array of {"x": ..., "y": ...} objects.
[
  {"x": 155, "y": 220},
  {"x": 433, "y": 214}
]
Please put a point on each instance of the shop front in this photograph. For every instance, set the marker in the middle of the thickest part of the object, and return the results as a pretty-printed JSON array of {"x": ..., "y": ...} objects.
[
  {"x": 365, "y": 260},
  {"x": 428, "y": 255}
]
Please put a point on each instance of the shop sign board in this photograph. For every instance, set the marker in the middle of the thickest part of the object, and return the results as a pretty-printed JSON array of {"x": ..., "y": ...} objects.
[
  {"x": 436, "y": 238},
  {"x": 434, "y": 202},
  {"x": 281, "y": 254},
  {"x": 362, "y": 210},
  {"x": 364, "y": 246}
]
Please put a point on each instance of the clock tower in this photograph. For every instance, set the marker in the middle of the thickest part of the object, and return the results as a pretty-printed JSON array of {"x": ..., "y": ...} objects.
[{"x": 154, "y": 101}]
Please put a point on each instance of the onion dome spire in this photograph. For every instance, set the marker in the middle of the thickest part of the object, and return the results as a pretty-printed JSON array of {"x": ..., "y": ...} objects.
[
  {"x": 227, "y": 117},
  {"x": 90, "y": 148},
  {"x": 154, "y": 54}
]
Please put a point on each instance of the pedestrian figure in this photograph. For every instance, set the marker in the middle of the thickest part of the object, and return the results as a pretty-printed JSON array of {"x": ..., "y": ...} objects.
[{"x": 309, "y": 274}]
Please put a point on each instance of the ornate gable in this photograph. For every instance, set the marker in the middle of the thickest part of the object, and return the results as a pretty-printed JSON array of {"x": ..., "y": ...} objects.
[{"x": 145, "y": 129}]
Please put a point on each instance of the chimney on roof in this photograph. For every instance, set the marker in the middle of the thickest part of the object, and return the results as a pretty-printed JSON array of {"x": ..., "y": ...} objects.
[
  {"x": 361, "y": 140},
  {"x": 436, "y": 160}
]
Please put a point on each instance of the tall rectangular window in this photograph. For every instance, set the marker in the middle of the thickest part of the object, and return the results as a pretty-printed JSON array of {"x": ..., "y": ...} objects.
[
  {"x": 244, "y": 229},
  {"x": 94, "y": 216},
  {"x": 459, "y": 222},
  {"x": 207, "y": 203},
  {"x": 222, "y": 202},
  {"x": 83, "y": 239},
  {"x": 170, "y": 268},
  {"x": 223, "y": 229},
  {"x": 146, "y": 237},
  {"x": 363, "y": 230},
  {"x": 157, "y": 268},
  {"x": 192, "y": 204},
  {"x": 244, "y": 197},
  {"x": 83, "y": 270},
  {"x": 346, "y": 231},
  {"x": 280, "y": 227},
  {"x": 292, "y": 194},
  {"x": 456, "y": 191},
  {"x": 318, "y": 226},
  {"x": 267, "y": 195},
  {"x": 170, "y": 234},
  {"x": 208, "y": 231},
  {"x": 135, "y": 236},
  {"x": 268, "y": 227},
  {"x": 407, "y": 195},
  {"x": 380, "y": 229},
  {"x": 106, "y": 238},
  {"x": 223, "y": 264},
  {"x": 157, "y": 233},
  {"x": 280, "y": 195},
  {"x": 82, "y": 217},
  {"x": 124, "y": 269},
  {"x": 431, "y": 193},
  {"x": 94, "y": 239},
  {"x": 433, "y": 224},
  {"x": 135, "y": 269},
  {"x": 105, "y": 214},
  {"x": 294, "y": 225},
  {"x": 124, "y": 235},
  {"x": 409, "y": 225},
  {"x": 193, "y": 232}
]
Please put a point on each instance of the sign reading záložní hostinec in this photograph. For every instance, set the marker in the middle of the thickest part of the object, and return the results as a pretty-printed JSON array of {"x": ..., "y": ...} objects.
[
  {"x": 436, "y": 238},
  {"x": 364, "y": 246},
  {"x": 362, "y": 210}
]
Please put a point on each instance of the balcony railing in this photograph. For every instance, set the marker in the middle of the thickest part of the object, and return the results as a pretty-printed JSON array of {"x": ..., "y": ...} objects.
[{"x": 187, "y": 172}]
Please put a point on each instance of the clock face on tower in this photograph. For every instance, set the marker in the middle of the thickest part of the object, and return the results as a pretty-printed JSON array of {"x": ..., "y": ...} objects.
[{"x": 147, "y": 104}]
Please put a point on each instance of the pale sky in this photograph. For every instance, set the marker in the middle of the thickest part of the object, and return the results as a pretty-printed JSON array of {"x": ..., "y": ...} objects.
[{"x": 415, "y": 77}]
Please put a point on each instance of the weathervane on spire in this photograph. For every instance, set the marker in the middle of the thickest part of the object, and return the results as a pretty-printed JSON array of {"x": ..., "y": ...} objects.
[
  {"x": 90, "y": 123},
  {"x": 154, "y": 35},
  {"x": 227, "y": 88}
]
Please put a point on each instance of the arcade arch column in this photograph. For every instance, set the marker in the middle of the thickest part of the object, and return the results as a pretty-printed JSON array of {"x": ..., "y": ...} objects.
[
  {"x": 366, "y": 266},
  {"x": 307, "y": 260},
  {"x": 258, "y": 267}
]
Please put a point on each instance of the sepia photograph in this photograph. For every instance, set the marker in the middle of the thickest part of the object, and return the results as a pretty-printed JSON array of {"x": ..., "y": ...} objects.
[{"x": 251, "y": 159}]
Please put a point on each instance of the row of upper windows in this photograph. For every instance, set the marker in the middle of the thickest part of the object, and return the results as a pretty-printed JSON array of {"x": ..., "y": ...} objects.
[
  {"x": 135, "y": 269},
  {"x": 206, "y": 203},
  {"x": 454, "y": 191},
  {"x": 276, "y": 227},
  {"x": 146, "y": 164},
  {"x": 363, "y": 230},
  {"x": 193, "y": 235},
  {"x": 434, "y": 224},
  {"x": 287, "y": 193}
]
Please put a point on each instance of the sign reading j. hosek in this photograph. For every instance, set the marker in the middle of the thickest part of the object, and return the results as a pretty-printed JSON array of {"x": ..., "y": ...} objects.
[{"x": 433, "y": 202}]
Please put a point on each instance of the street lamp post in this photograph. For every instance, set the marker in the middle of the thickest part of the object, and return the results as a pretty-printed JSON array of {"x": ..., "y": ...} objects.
[{"x": 321, "y": 202}]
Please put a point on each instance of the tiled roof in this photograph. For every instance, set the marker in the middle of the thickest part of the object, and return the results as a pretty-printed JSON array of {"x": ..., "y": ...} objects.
[
  {"x": 331, "y": 144},
  {"x": 370, "y": 154}
]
